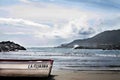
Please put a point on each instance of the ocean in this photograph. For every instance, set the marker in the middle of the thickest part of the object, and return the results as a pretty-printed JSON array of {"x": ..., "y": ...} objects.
[{"x": 71, "y": 59}]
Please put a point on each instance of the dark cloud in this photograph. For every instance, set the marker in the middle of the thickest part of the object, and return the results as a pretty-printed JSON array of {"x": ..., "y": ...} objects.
[{"x": 89, "y": 31}]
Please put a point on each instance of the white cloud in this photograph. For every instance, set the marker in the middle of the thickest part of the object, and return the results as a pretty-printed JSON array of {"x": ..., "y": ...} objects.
[
  {"x": 22, "y": 26},
  {"x": 21, "y": 22},
  {"x": 47, "y": 12},
  {"x": 15, "y": 33},
  {"x": 65, "y": 31}
]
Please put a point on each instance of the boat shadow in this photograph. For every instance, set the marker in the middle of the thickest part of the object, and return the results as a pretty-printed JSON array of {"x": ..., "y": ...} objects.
[{"x": 51, "y": 77}]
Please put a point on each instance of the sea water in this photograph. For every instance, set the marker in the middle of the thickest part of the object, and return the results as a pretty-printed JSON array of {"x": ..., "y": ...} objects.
[{"x": 71, "y": 59}]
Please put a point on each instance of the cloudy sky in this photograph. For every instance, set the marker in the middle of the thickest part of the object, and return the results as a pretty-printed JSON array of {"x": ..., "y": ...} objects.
[{"x": 52, "y": 22}]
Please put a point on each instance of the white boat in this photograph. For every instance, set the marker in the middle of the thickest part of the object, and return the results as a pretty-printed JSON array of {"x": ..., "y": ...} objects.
[{"x": 34, "y": 68}]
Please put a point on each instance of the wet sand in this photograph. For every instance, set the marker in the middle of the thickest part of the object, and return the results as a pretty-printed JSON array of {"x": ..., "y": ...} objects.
[
  {"x": 73, "y": 75},
  {"x": 87, "y": 75}
]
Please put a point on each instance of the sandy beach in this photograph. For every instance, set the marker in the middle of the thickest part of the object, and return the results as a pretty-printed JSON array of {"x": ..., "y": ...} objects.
[
  {"x": 73, "y": 75},
  {"x": 87, "y": 75}
]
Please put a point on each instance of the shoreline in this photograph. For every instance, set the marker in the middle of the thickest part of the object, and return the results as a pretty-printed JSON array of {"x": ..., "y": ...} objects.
[{"x": 73, "y": 75}]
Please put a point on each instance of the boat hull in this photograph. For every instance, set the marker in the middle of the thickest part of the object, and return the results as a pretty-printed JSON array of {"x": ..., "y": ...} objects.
[{"x": 34, "y": 68}]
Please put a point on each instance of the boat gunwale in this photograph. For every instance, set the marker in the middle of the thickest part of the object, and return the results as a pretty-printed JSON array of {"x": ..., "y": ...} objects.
[{"x": 14, "y": 60}]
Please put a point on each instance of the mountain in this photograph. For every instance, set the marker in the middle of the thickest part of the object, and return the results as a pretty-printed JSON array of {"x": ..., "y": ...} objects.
[
  {"x": 6, "y": 46},
  {"x": 102, "y": 40}
]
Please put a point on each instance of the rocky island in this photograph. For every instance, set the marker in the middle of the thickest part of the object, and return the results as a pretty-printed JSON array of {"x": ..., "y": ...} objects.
[
  {"x": 6, "y": 46},
  {"x": 107, "y": 40}
]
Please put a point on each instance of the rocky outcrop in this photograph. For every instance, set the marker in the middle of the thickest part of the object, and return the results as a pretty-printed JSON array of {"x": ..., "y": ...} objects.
[{"x": 6, "y": 46}]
